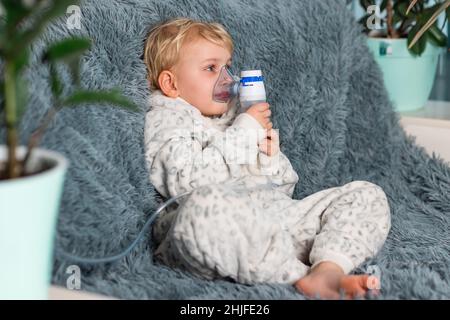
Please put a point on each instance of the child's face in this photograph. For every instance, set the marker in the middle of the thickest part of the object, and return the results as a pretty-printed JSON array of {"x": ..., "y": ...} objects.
[{"x": 197, "y": 72}]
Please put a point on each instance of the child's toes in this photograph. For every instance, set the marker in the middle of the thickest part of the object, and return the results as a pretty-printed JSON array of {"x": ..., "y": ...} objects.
[{"x": 355, "y": 285}]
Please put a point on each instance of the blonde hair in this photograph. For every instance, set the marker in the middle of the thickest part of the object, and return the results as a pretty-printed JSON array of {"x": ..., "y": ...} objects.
[{"x": 164, "y": 41}]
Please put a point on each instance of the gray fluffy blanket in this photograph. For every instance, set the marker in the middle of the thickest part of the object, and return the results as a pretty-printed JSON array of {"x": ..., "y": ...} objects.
[{"x": 328, "y": 101}]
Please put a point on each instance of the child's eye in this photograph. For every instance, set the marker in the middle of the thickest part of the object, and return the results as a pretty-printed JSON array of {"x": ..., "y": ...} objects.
[{"x": 209, "y": 67}]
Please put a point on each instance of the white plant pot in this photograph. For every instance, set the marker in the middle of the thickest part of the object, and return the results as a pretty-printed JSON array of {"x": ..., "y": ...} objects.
[
  {"x": 408, "y": 79},
  {"x": 28, "y": 213}
]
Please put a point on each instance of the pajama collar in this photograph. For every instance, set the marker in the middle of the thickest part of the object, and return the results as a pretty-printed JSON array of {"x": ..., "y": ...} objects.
[{"x": 157, "y": 98}]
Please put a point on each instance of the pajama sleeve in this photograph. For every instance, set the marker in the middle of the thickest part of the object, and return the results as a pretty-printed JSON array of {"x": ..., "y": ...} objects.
[
  {"x": 277, "y": 168},
  {"x": 181, "y": 155}
]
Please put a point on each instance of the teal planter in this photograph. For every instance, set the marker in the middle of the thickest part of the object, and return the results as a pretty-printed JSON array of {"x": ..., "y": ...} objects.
[
  {"x": 28, "y": 213},
  {"x": 408, "y": 79}
]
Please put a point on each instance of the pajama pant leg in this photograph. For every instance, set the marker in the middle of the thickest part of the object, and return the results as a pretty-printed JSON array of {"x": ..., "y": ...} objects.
[
  {"x": 345, "y": 224},
  {"x": 268, "y": 237},
  {"x": 219, "y": 233}
]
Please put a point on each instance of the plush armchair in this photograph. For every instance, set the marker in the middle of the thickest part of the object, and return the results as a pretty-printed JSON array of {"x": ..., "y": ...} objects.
[{"x": 328, "y": 101}]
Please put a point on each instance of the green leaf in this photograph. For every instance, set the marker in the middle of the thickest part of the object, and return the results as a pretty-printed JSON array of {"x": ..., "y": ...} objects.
[
  {"x": 383, "y": 5},
  {"x": 67, "y": 49},
  {"x": 436, "y": 36},
  {"x": 407, "y": 23},
  {"x": 22, "y": 96},
  {"x": 363, "y": 22},
  {"x": 2, "y": 102},
  {"x": 100, "y": 97},
  {"x": 15, "y": 12},
  {"x": 366, "y": 3},
  {"x": 428, "y": 12},
  {"x": 42, "y": 17},
  {"x": 419, "y": 47},
  {"x": 411, "y": 5},
  {"x": 448, "y": 14},
  {"x": 2, "y": 38},
  {"x": 401, "y": 7},
  {"x": 21, "y": 60},
  {"x": 363, "y": 19},
  {"x": 74, "y": 67},
  {"x": 55, "y": 84},
  {"x": 396, "y": 18},
  {"x": 427, "y": 23}
]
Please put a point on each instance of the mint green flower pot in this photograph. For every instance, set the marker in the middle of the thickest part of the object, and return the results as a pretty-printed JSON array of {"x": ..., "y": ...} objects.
[
  {"x": 408, "y": 79},
  {"x": 28, "y": 213}
]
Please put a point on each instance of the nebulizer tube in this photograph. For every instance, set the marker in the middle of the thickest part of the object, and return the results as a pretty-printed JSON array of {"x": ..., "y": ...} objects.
[
  {"x": 125, "y": 252},
  {"x": 150, "y": 220}
]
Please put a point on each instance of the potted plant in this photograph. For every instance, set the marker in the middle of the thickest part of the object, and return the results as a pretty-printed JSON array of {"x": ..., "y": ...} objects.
[
  {"x": 406, "y": 44},
  {"x": 31, "y": 179}
]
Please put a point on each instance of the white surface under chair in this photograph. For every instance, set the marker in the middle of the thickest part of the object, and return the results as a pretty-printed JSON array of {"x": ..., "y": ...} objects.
[
  {"x": 431, "y": 127},
  {"x": 60, "y": 293}
]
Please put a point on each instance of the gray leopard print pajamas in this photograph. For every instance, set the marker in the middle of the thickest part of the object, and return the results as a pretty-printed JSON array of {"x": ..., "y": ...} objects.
[{"x": 230, "y": 227}]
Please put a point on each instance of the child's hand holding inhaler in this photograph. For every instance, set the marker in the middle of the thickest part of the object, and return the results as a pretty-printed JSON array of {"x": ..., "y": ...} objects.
[{"x": 252, "y": 96}]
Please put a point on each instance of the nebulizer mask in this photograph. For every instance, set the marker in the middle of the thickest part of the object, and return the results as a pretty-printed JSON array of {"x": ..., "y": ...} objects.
[{"x": 249, "y": 87}]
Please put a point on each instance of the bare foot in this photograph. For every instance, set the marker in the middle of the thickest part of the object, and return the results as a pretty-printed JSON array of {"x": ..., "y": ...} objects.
[{"x": 327, "y": 279}]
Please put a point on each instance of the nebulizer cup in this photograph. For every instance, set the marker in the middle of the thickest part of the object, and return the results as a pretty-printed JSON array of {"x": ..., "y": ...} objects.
[{"x": 249, "y": 87}]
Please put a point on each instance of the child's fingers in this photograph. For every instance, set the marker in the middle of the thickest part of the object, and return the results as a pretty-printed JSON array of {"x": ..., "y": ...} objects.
[
  {"x": 268, "y": 147},
  {"x": 263, "y": 106},
  {"x": 263, "y": 145},
  {"x": 272, "y": 134},
  {"x": 275, "y": 136},
  {"x": 273, "y": 144},
  {"x": 265, "y": 122}
]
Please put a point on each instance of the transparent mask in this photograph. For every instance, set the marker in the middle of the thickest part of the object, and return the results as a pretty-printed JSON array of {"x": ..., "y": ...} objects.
[{"x": 226, "y": 87}]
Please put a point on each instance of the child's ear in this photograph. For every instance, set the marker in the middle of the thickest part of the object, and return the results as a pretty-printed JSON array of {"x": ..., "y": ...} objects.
[{"x": 167, "y": 83}]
